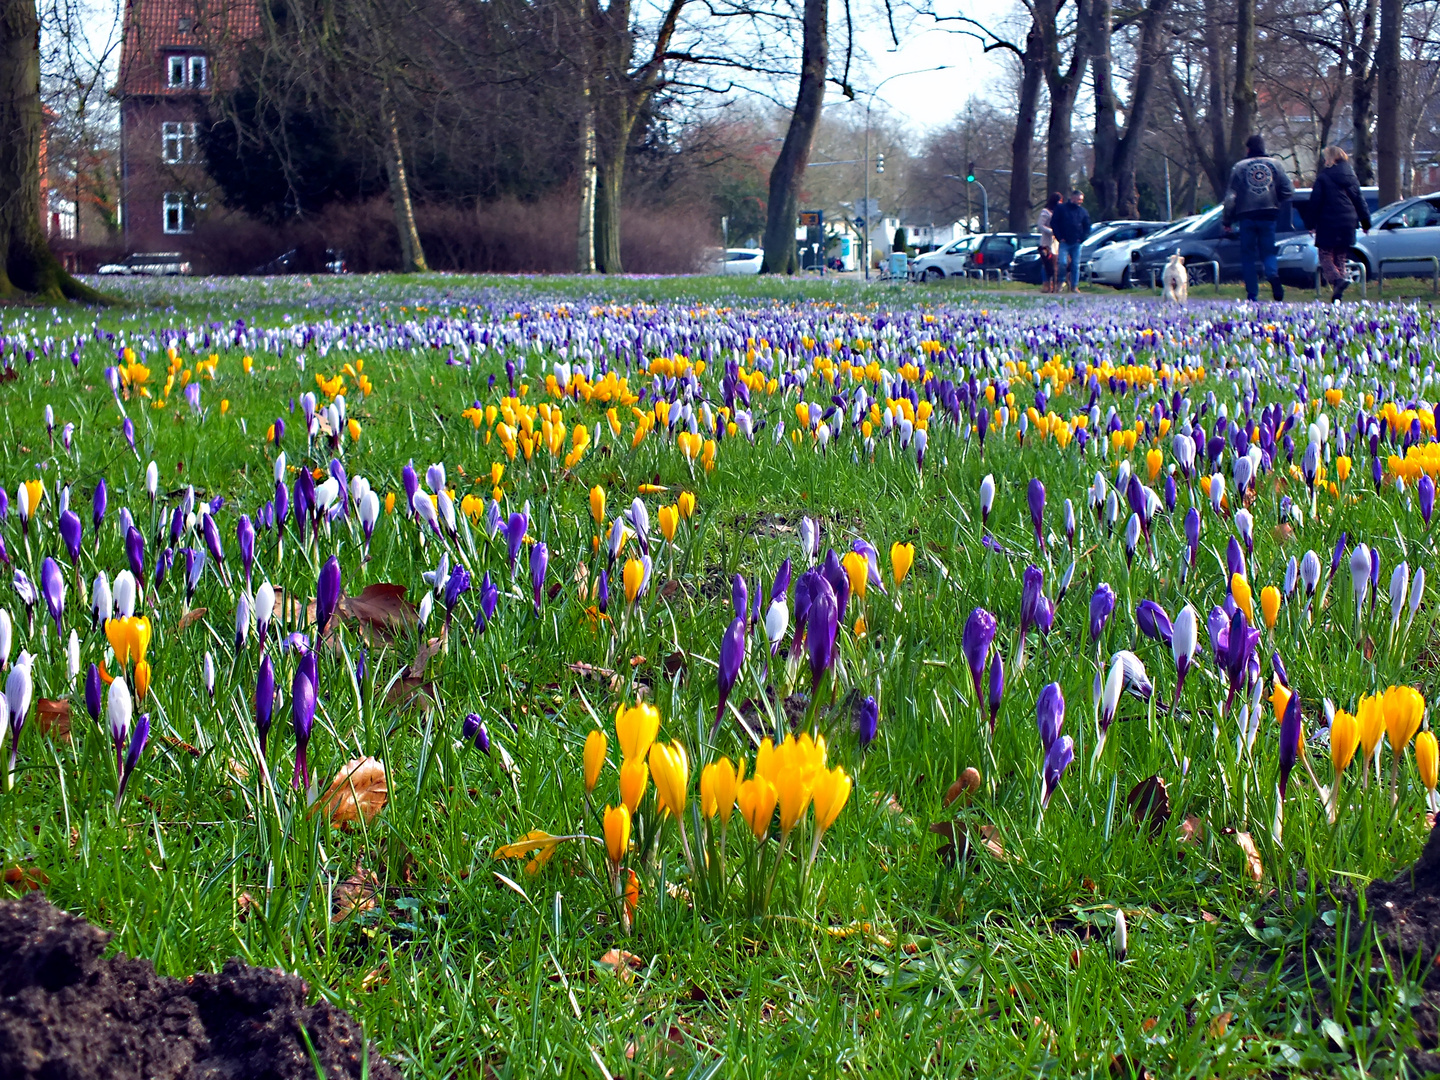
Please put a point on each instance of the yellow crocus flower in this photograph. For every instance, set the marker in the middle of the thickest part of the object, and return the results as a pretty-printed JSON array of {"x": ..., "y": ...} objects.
[
  {"x": 1427, "y": 759},
  {"x": 1370, "y": 716},
  {"x": 832, "y": 791},
  {"x": 902, "y": 557},
  {"x": 857, "y": 569},
  {"x": 1344, "y": 738},
  {"x": 634, "y": 775},
  {"x": 1404, "y": 709},
  {"x": 617, "y": 832},
  {"x": 1270, "y": 605},
  {"x": 671, "y": 770},
  {"x": 595, "y": 744},
  {"x": 1244, "y": 599},
  {"x": 756, "y": 799},
  {"x": 636, "y": 727}
]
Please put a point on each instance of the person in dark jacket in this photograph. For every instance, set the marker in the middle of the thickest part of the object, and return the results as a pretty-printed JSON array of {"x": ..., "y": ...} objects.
[
  {"x": 1070, "y": 222},
  {"x": 1336, "y": 208},
  {"x": 1258, "y": 191}
]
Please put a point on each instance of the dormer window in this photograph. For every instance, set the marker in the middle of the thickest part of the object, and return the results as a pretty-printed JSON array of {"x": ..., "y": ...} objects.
[
  {"x": 187, "y": 71},
  {"x": 185, "y": 24}
]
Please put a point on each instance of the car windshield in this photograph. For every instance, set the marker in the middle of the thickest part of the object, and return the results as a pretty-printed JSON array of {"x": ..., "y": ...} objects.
[
  {"x": 960, "y": 246},
  {"x": 1183, "y": 225}
]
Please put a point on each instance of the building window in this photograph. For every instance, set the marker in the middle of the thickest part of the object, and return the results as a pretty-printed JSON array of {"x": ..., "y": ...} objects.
[
  {"x": 176, "y": 213},
  {"x": 177, "y": 142},
  {"x": 185, "y": 23},
  {"x": 187, "y": 71}
]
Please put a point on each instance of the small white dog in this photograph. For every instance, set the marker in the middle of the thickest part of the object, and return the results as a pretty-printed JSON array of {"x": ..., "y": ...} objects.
[{"x": 1176, "y": 280}]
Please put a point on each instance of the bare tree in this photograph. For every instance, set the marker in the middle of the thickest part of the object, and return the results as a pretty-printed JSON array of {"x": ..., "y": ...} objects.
[
  {"x": 785, "y": 178},
  {"x": 1387, "y": 77},
  {"x": 1116, "y": 152}
]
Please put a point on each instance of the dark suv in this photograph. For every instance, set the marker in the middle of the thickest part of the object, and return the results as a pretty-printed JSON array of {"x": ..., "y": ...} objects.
[
  {"x": 1208, "y": 241},
  {"x": 997, "y": 250}
]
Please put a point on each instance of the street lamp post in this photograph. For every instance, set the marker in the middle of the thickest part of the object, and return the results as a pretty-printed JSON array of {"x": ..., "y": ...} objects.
[
  {"x": 971, "y": 178},
  {"x": 865, "y": 214}
]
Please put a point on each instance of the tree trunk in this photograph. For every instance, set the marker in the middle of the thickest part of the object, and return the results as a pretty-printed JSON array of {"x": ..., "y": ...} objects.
[
  {"x": 1218, "y": 162},
  {"x": 412, "y": 255},
  {"x": 1243, "y": 100},
  {"x": 1116, "y": 154},
  {"x": 609, "y": 185},
  {"x": 1362, "y": 96},
  {"x": 1387, "y": 117},
  {"x": 1022, "y": 147},
  {"x": 783, "y": 207},
  {"x": 585, "y": 234},
  {"x": 1063, "y": 86},
  {"x": 26, "y": 263}
]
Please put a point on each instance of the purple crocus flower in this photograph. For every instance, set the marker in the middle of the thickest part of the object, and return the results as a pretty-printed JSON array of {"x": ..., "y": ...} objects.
[
  {"x": 92, "y": 692},
  {"x": 1102, "y": 606},
  {"x": 732, "y": 659},
  {"x": 539, "y": 564},
  {"x": 1154, "y": 623},
  {"x": 839, "y": 582},
  {"x": 128, "y": 430},
  {"x": 1289, "y": 740},
  {"x": 470, "y": 726},
  {"x": 739, "y": 595},
  {"x": 975, "y": 643},
  {"x": 1192, "y": 535},
  {"x": 997, "y": 687},
  {"x": 302, "y": 713},
  {"x": 1239, "y": 649},
  {"x": 602, "y": 592},
  {"x": 327, "y": 595},
  {"x": 1234, "y": 561},
  {"x": 821, "y": 629},
  {"x": 135, "y": 552},
  {"x": 70, "y": 532},
  {"x": 410, "y": 480},
  {"x": 867, "y": 721},
  {"x": 211, "y": 533},
  {"x": 245, "y": 537},
  {"x": 782, "y": 581},
  {"x": 52, "y": 587},
  {"x": 98, "y": 505},
  {"x": 1035, "y": 496},
  {"x": 138, "y": 738},
  {"x": 1425, "y": 492},
  {"x": 1050, "y": 714},
  {"x": 282, "y": 504},
  {"x": 456, "y": 584},
  {"x": 1032, "y": 598},
  {"x": 279, "y": 430},
  {"x": 1057, "y": 760},
  {"x": 163, "y": 562},
  {"x": 515, "y": 528}
]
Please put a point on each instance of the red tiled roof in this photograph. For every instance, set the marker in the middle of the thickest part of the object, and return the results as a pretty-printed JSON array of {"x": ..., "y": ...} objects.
[{"x": 157, "y": 28}]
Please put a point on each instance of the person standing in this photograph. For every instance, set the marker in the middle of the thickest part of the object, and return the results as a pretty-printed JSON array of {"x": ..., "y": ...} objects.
[
  {"x": 1258, "y": 190},
  {"x": 1336, "y": 208},
  {"x": 1048, "y": 243},
  {"x": 1070, "y": 222}
]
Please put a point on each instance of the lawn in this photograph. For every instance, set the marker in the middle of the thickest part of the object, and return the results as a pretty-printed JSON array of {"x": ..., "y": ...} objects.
[{"x": 1126, "y": 894}]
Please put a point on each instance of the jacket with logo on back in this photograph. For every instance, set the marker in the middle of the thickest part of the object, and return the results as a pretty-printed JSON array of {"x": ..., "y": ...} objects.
[{"x": 1258, "y": 188}]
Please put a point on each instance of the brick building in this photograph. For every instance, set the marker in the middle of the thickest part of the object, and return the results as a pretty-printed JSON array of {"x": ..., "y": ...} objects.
[{"x": 174, "y": 53}]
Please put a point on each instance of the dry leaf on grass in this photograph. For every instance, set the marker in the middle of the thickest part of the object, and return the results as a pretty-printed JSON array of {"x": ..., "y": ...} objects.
[
  {"x": 536, "y": 842},
  {"x": 621, "y": 963},
  {"x": 381, "y": 609},
  {"x": 986, "y": 836},
  {"x": 1254, "y": 868},
  {"x": 1192, "y": 830},
  {"x": 355, "y": 894},
  {"x": 53, "y": 718},
  {"x": 967, "y": 786},
  {"x": 25, "y": 878},
  {"x": 1221, "y": 1024},
  {"x": 190, "y": 618},
  {"x": 1150, "y": 801},
  {"x": 358, "y": 792}
]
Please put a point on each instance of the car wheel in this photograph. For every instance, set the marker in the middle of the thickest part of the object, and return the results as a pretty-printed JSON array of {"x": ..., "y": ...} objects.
[
  {"x": 1359, "y": 256},
  {"x": 934, "y": 273},
  {"x": 1125, "y": 281}
]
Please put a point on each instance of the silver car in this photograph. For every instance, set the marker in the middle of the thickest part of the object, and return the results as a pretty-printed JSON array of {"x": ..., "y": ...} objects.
[{"x": 1408, "y": 230}]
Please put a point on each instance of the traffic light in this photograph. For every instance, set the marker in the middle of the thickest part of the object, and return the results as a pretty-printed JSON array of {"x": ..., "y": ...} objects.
[
  {"x": 970, "y": 174},
  {"x": 879, "y": 163}
]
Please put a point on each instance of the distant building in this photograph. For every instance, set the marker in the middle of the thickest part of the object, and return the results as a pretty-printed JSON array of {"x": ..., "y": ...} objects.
[{"x": 175, "y": 52}]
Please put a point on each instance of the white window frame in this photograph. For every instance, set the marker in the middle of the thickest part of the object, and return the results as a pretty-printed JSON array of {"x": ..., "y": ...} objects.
[
  {"x": 176, "y": 202},
  {"x": 192, "y": 69},
  {"x": 199, "y": 72},
  {"x": 177, "y": 66},
  {"x": 177, "y": 142}
]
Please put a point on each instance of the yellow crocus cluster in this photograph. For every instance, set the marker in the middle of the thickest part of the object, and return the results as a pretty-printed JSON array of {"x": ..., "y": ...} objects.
[
  {"x": 129, "y": 638},
  {"x": 789, "y": 777},
  {"x": 636, "y": 728}
]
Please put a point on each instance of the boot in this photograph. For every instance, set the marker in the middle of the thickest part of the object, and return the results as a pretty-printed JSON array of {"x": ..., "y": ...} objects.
[
  {"x": 1277, "y": 290},
  {"x": 1340, "y": 287}
]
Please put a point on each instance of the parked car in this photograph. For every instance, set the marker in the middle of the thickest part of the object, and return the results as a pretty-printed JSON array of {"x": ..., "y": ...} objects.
[
  {"x": 1410, "y": 227},
  {"x": 1111, "y": 265},
  {"x": 153, "y": 264},
  {"x": 743, "y": 261},
  {"x": 1206, "y": 240},
  {"x": 996, "y": 251},
  {"x": 1027, "y": 266},
  {"x": 949, "y": 261}
]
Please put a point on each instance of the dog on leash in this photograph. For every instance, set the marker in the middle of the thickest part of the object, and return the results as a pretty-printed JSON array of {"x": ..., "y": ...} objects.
[{"x": 1176, "y": 280}]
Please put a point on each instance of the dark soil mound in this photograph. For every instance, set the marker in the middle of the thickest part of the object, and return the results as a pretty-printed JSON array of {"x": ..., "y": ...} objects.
[
  {"x": 68, "y": 1014},
  {"x": 1404, "y": 914}
]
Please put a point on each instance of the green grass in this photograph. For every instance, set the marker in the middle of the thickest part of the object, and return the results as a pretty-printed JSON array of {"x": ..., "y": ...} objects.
[{"x": 995, "y": 965}]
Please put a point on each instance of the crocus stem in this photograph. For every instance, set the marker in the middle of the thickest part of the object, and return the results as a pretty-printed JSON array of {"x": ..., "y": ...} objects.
[{"x": 775, "y": 870}]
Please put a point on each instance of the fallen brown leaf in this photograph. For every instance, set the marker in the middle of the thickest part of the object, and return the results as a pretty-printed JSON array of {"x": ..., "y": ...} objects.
[
  {"x": 190, "y": 618},
  {"x": 427, "y": 652},
  {"x": 355, "y": 894},
  {"x": 987, "y": 837},
  {"x": 25, "y": 878},
  {"x": 621, "y": 963},
  {"x": 1254, "y": 868},
  {"x": 381, "y": 609},
  {"x": 967, "y": 785},
  {"x": 1149, "y": 801},
  {"x": 1192, "y": 830},
  {"x": 1221, "y": 1024},
  {"x": 590, "y": 671},
  {"x": 358, "y": 792},
  {"x": 53, "y": 717}
]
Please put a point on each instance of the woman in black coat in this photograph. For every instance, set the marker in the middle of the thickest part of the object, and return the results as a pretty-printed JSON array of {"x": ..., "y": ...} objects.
[{"x": 1336, "y": 208}]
